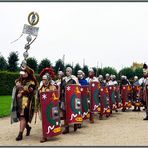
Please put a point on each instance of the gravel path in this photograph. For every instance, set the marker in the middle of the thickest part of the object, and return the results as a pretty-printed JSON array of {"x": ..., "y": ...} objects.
[{"x": 121, "y": 129}]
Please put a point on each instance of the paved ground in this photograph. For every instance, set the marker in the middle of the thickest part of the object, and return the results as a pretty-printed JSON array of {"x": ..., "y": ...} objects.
[{"x": 121, "y": 129}]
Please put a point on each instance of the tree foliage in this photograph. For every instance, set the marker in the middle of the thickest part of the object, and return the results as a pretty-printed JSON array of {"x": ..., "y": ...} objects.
[
  {"x": 68, "y": 65},
  {"x": 138, "y": 72},
  {"x": 109, "y": 70},
  {"x": 99, "y": 71},
  {"x": 12, "y": 65},
  {"x": 95, "y": 71},
  {"x": 13, "y": 61},
  {"x": 127, "y": 71},
  {"x": 59, "y": 66},
  {"x": 43, "y": 64},
  {"x": 32, "y": 63},
  {"x": 3, "y": 63},
  {"x": 85, "y": 70},
  {"x": 76, "y": 68}
]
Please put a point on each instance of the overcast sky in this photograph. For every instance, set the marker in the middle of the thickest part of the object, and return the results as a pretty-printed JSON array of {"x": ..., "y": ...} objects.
[{"x": 114, "y": 34}]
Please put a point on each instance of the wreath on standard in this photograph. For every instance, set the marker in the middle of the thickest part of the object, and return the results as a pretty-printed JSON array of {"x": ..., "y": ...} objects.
[{"x": 29, "y": 16}]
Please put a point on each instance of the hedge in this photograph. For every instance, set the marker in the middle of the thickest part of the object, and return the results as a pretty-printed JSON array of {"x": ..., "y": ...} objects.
[{"x": 7, "y": 81}]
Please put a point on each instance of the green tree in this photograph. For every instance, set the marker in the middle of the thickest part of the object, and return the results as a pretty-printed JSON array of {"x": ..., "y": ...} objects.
[
  {"x": 13, "y": 61},
  {"x": 109, "y": 70},
  {"x": 68, "y": 65},
  {"x": 95, "y": 71},
  {"x": 127, "y": 71},
  {"x": 59, "y": 66},
  {"x": 85, "y": 70},
  {"x": 138, "y": 72},
  {"x": 32, "y": 63},
  {"x": 99, "y": 72},
  {"x": 3, "y": 63},
  {"x": 43, "y": 64},
  {"x": 76, "y": 68}
]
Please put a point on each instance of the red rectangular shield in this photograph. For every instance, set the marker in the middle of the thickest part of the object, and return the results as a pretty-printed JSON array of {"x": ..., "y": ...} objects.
[
  {"x": 129, "y": 97},
  {"x": 117, "y": 97},
  {"x": 104, "y": 103},
  {"x": 94, "y": 97},
  {"x": 51, "y": 124},
  {"x": 137, "y": 96},
  {"x": 73, "y": 104},
  {"x": 112, "y": 101},
  {"x": 146, "y": 93},
  {"x": 124, "y": 96},
  {"x": 85, "y": 102}
]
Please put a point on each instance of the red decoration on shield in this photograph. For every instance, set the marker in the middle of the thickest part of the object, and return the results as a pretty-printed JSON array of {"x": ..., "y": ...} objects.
[
  {"x": 73, "y": 104},
  {"x": 85, "y": 100},
  {"x": 94, "y": 97},
  {"x": 51, "y": 125}
]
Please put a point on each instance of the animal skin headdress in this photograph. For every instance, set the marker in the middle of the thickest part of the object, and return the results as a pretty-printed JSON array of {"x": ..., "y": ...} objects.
[
  {"x": 27, "y": 69},
  {"x": 48, "y": 70}
]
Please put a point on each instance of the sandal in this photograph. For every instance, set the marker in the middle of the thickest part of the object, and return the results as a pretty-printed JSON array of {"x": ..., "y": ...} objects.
[
  {"x": 28, "y": 131},
  {"x": 43, "y": 139}
]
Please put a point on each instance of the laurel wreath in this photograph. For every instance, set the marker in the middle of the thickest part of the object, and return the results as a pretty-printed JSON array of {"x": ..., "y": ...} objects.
[{"x": 37, "y": 20}]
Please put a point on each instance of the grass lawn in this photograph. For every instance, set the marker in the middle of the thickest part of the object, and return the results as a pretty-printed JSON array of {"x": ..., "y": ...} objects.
[{"x": 5, "y": 105}]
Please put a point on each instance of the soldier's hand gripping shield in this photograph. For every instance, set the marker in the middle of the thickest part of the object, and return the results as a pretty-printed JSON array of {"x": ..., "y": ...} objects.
[
  {"x": 51, "y": 125},
  {"x": 85, "y": 102},
  {"x": 73, "y": 104}
]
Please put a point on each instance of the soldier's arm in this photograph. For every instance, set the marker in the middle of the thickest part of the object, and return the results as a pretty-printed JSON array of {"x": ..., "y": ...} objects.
[{"x": 28, "y": 88}]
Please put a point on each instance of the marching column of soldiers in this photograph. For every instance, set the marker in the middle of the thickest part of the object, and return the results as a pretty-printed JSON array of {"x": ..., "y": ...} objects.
[{"x": 71, "y": 100}]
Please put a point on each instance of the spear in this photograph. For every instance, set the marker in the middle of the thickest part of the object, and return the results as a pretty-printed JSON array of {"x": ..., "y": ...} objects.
[
  {"x": 35, "y": 118},
  {"x": 97, "y": 69}
]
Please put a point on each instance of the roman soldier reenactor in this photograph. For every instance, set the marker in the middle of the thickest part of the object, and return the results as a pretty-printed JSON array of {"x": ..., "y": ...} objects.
[
  {"x": 23, "y": 103},
  {"x": 46, "y": 85},
  {"x": 68, "y": 79},
  {"x": 82, "y": 82},
  {"x": 81, "y": 78},
  {"x": 101, "y": 81},
  {"x": 91, "y": 78},
  {"x": 58, "y": 82},
  {"x": 107, "y": 79},
  {"x": 144, "y": 81},
  {"x": 136, "y": 94}
]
